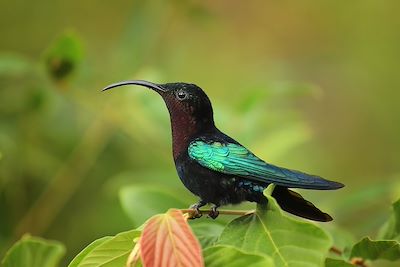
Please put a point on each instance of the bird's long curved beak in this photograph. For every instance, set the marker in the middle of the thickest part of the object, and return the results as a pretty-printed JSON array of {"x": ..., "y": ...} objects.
[{"x": 147, "y": 84}]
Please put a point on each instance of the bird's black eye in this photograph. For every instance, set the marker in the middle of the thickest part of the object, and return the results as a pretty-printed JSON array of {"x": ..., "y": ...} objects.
[{"x": 181, "y": 95}]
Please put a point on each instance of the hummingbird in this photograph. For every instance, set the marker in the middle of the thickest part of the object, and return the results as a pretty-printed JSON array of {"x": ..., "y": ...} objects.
[{"x": 218, "y": 169}]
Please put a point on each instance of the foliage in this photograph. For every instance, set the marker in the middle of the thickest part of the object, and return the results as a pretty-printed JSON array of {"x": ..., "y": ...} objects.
[
  {"x": 222, "y": 255},
  {"x": 266, "y": 237},
  {"x": 337, "y": 263},
  {"x": 82, "y": 255},
  {"x": 372, "y": 250},
  {"x": 288, "y": 241},
  {"x": 385, "y": 248},
  {"x": 34, "y": 252},
  {"x": 391, "y": 229},
  {"x": 107, "y": 251},
  {"x": 63, "y": 56},
  {"x": 167, "y": 240}
]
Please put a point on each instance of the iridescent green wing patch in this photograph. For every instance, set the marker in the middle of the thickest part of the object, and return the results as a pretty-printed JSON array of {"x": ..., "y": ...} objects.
[
  {"x": 235, "y": 159},
  {"x": 209, "y": 155},
  {"x": 227, "y": 158}
]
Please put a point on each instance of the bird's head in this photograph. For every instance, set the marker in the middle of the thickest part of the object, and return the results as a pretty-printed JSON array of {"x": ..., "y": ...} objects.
[{"x": 184, "y": 101}]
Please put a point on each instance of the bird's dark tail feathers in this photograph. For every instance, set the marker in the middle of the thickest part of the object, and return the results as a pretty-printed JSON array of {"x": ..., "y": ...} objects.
[{"x": 294, "y": 203}]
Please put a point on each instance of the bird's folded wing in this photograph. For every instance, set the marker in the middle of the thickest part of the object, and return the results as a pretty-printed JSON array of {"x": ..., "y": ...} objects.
[{"x": 235, "y": 159}]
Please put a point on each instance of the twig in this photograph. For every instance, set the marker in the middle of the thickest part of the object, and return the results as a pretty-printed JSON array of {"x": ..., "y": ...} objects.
[
  {"x": 336, "y": 250},
  {"x": 358, "y": 262},
  {"x": 225, "y": 212}
]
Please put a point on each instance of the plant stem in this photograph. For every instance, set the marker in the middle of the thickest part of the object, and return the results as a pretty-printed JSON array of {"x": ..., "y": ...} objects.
[
  {"x": 336, "y": 250},
  {"x": 224, "y": 212}
]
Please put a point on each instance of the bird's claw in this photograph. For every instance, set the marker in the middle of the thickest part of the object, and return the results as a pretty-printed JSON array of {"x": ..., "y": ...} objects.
[
  {"x": 214, "y": 212},
  {"x": 196, "y": 213}
]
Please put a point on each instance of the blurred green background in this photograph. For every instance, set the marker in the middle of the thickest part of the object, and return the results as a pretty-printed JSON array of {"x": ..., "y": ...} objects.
[{"x": 310, "y": 85}]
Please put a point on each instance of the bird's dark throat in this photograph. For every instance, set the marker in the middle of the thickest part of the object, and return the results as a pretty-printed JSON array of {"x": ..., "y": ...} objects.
[{"x": 186, "y": 127}]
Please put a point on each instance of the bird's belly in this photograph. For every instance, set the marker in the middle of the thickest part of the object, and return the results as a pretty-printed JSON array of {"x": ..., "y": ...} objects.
[{"x": 214, "y": 187}]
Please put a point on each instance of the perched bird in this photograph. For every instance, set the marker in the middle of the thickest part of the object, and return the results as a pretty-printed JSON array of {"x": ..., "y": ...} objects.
[{"x": 218, "y": 169}]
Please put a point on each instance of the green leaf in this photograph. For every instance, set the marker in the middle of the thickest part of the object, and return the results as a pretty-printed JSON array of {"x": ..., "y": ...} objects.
[
  {"x": 221, "y": 256},
  {"x": 391, "y": 229},
  {"x": 376, "y": 249},
  {"x": 81, "y": 256},
  {"x": 207, "y": 232},
  {"x": 337, "y": 263},
  {"x": 141, "y": 202},
  {"x": 290, "y": 242},
  {"x": 34, "y": 252},
  {"x": 107, "y": 251},
  {"x": 64, "y": 55}
]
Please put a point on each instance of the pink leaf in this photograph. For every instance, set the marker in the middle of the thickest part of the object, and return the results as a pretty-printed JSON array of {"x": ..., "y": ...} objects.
[{"x": 168, "y": 241}]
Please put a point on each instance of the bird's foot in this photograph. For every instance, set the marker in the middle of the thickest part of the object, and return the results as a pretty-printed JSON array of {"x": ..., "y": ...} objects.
[
  {"x": 195, "y": 214},
  {"x": 196, "y": 210},
  {"x": 214, "y": 212}
]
